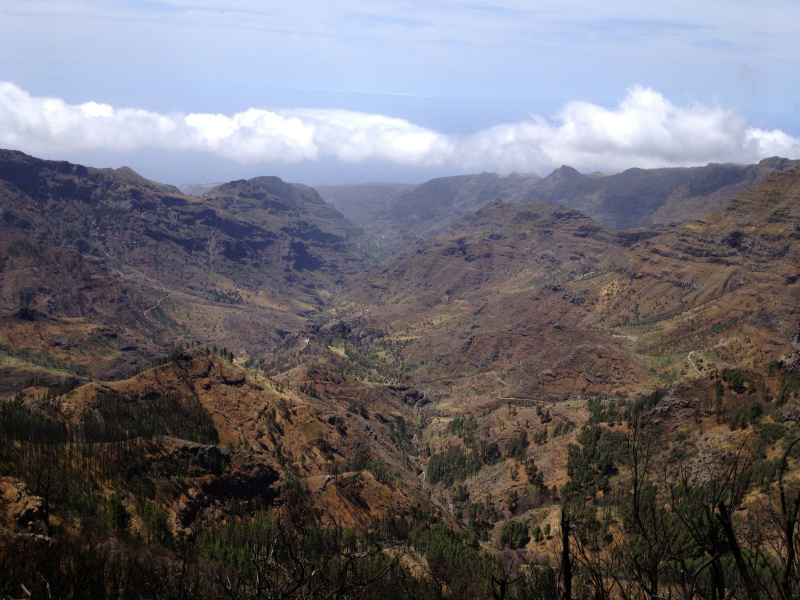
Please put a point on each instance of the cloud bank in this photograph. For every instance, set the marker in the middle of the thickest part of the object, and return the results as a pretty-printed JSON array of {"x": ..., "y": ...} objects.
[{"x": 644, "y": 130}]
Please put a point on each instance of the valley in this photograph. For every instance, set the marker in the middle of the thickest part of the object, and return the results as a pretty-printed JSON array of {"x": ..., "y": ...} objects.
[{"x": 577, "y": 386}]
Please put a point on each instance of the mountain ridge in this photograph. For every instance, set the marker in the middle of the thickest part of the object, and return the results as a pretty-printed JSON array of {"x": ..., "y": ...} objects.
[
  {"x": 176, "y": 266},
  {"x": 634, "y": 198},
  {"x": 233, "y": 375}
]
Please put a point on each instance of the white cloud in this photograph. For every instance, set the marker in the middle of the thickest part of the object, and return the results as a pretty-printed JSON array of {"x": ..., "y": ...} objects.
[
  {"x": 355, "y": 137},
  {"x": 50, "y": 125},
  {"x": 645, "y": 130}
]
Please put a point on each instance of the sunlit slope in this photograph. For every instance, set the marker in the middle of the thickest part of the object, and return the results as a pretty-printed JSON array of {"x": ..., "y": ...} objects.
[{"x": 534, "y": 300}]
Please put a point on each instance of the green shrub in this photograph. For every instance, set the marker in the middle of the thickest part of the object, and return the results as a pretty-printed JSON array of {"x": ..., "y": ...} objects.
[
  {"x": 517, "y": 445},
  {"x": 514, "y": 534},
  {"x": 156, "y": 524}
]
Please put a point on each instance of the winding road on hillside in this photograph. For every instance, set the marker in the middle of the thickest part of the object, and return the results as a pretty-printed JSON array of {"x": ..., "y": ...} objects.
[
  {"x": 157, "y": 304},
  {"x": 691, "y": 362}
]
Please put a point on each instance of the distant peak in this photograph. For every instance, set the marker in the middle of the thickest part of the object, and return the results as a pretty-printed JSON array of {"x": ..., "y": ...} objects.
[
  {"x": 514, "y": 174},
  {"x": 777, "y": 162},
  {"x": 263, "y": 182},
  {"x": 132, "y": 176},
  {"x": 564, "y": 172}
]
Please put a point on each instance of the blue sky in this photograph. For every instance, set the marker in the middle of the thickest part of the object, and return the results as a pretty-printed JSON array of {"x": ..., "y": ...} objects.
[{"x": 323, "y": 92}]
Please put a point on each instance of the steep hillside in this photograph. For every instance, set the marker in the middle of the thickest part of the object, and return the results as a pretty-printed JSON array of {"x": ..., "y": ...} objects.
[
  {"x": 488, "y": 303},
  {"x": 540, "y": 336},
  {"x": 640, "y": 197},
  {"x": 522, "y": 387},
  {"x": 311, "y": 424},
  {"x": 107, "y": 253},
  {"x": 533, "y": 303},
  {"x": 541, "y": 298}
]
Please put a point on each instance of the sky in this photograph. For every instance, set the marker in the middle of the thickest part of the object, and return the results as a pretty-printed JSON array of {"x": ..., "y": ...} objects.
[{"x": 190, "y": 91}]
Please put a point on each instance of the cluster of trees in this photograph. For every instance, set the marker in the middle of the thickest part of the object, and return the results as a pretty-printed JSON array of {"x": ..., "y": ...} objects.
[
  {"x": 175, "y": 353},
  {"x": 636, "y": 521},
  {"x": 463, "y": 427},
  {"x": 517, "y": 446},
  {"x": 363, "y": 461},
  {"x": 225, "y": 296},
  {"x": 309, "y": 389},
  {"x": 44, "y": 359},
  {"x": 694, "y": 529},
  {"x": 647, "y": 514},
  {"x": 64, "y": 462},
  {"x": 452, "y": 465},
  {"x": 273, "y": 561},
  {"x": 456, "y": 464}
]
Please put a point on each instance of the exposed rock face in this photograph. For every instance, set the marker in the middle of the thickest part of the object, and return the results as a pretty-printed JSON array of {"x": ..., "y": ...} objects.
[
  {"x": 791, "y": 362},
  {"x": 19, "y": 510},
  {"x": 354, "y": 330},
  {"x": 230, "y": 476}
]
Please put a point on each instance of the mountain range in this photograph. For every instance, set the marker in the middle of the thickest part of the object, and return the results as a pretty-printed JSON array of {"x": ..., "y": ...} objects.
[
  {"x": 631, "y": 199},
  {"x": 468, "y": 358}
]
